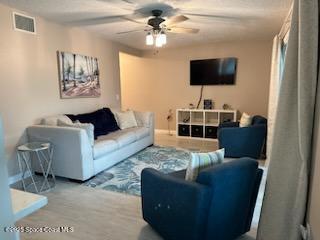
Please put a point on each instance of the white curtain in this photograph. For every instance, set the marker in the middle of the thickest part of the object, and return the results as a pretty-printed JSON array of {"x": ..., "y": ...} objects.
[
  {"x": 274, "y": 89},
  {"x": 285, "y": 198},
  {"x": 280, "y": 42}
]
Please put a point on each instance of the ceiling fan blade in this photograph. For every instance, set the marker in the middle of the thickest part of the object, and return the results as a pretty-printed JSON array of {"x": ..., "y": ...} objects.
[
  {"x": 119, "y": 2},
  {"x": 183, "y": 30},
  {"x": 99, "y": 20},
  {"x": 128, "y": 1},
  {"x": 174, "y": 20},
  {"x": 132, "y": 31},
  {"x": 105, "y": 20},
  {"x": 132, "y": 20},
  {"x": 128, "y": 5},
  {"x": 212, "y": 16}
]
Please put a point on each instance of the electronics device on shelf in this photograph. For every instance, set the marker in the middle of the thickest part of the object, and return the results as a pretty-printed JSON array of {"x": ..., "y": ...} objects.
[{"x": 207, "y": 104}]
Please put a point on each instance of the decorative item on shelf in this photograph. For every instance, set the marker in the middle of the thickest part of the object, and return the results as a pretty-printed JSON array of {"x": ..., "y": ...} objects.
[
  {"x": 208, "y": 104},
  {"x": 169, "y": 119},
  {"x": 191, "y": 106},
  {"x": 186, "y": 119},
  {"x": 226, "y": 107}
]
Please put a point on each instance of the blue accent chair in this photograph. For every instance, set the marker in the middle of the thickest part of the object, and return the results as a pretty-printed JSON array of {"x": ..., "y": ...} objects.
[
  {"x": 246, "y": 141},
  {"x": 219, "y": 205}
]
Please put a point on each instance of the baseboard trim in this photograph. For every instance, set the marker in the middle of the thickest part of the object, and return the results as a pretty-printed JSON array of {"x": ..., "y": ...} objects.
[
  {"x": 165, "y": 131},
  {"x": 16, "y": 178}
]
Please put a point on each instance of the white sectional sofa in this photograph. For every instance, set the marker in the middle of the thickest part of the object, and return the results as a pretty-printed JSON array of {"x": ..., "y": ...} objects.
[{"x": 75, "y": 158}]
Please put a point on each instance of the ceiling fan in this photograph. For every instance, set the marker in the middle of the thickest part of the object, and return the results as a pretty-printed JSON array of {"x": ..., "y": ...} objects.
[
  {"x": 157, "y": 27},
  {"x": 162, "y": 19}
]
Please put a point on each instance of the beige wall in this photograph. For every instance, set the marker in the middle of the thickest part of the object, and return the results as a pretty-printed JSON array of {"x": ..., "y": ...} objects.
[
  {"x": 29, "y": 75},
  {"x": 160, "y": 81}
]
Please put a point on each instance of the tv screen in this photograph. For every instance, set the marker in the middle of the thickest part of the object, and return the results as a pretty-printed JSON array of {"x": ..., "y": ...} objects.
[{"x": 220, "y": 71}]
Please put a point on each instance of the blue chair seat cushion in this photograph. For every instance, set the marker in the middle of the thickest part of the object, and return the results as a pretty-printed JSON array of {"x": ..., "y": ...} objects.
[{"x": 179, "y": 174}]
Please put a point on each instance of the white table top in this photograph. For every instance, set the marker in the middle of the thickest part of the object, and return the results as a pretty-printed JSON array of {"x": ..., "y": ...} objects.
[
  {"x": 25, "y": 203},
  {"x": 33, "y": 147}
]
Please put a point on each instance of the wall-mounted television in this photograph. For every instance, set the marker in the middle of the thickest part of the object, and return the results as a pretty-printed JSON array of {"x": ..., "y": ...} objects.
[{"x": 221, "y": 71}]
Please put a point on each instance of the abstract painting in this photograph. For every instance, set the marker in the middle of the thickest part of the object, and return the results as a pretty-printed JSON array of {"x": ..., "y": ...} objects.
[{"x": 78, "y": 76}]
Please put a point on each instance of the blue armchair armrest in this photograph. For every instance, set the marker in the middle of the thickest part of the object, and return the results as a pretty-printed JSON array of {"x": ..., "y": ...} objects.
[
  {"x": 243, "y": 142},
  {"x": 234, "y": 188},
  {"x": 253, "y": 201},
  {"x": 176, "y": 208}
]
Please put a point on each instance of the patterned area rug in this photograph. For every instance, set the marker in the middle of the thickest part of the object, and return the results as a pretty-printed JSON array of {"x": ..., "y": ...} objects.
[{"x": 125, "y": 176}]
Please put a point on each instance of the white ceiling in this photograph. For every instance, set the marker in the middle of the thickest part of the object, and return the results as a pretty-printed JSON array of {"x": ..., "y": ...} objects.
[{"x": 247, "y": 19}]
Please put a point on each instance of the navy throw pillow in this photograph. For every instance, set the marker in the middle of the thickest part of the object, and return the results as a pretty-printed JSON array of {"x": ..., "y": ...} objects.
[
  {"x": 111, "y": 123},
  {"x": 103, "y": 121}
]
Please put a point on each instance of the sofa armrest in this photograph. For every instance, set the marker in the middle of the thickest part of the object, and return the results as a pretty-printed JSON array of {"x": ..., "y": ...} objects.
[
  {"x": 243, "y": 142},
  {"x": 169, "y": 204},
  {"x": 72, "y": 154},
  {"x": 144, "y": 119}
]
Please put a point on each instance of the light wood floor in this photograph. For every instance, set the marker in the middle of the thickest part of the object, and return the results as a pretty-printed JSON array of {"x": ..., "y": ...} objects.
[
  {"x": 97, "y": 214},
  {"x": 191, "y": 144}
]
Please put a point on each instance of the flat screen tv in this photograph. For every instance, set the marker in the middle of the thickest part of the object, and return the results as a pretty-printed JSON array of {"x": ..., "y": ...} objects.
[{"x": 221, "y": 71}]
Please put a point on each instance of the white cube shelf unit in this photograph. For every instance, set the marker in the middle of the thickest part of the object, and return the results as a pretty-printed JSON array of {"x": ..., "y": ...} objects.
[{"x": 202, "y": 123}]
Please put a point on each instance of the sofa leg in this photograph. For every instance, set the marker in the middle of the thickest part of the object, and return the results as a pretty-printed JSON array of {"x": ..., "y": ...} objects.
[
  {"x": 80, "y": 181},
  {"x": 76, "y": 180}
]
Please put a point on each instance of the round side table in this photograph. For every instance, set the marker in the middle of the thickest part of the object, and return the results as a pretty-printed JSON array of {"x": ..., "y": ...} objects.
[{"x": 42, "y": 153}]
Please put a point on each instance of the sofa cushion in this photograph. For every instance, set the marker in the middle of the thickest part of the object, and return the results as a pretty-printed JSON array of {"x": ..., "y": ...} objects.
[
  {"x": 53, "y": 120},
  {"x": 102, "y": 147},
  {"x": 103, "y": 121},
  {"x": 126, "y": 119},
  {"x": 200, "y": 161},
  {"x": 118, "y": 139},
  {"x": 245, "y": 120},
  {"x": 122, "y": 137},
  {"x": 141, "y": 132},
  {"x": 125, "y": 139}
]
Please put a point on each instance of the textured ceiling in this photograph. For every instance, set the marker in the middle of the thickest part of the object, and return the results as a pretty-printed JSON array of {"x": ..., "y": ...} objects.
[{"x": 238, "y": 19}]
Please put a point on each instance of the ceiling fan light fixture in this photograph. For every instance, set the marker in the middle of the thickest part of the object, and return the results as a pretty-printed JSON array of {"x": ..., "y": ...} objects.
[
  {"x": 159, "y": 42},
  {"x": 149, "y": 39},
  {"x": 163, "y": 37}
]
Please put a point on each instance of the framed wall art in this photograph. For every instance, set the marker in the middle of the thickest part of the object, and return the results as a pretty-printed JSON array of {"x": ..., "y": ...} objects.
[{"x": 79, "y": 76}]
